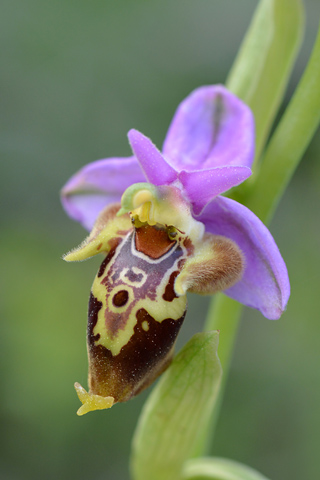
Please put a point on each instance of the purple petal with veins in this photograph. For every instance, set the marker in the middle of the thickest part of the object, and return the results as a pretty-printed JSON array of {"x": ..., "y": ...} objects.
[
  {"x": 265, "y": 283},
  {"x": 97, "y": 185},
  {"x": 210, "y": 128}
]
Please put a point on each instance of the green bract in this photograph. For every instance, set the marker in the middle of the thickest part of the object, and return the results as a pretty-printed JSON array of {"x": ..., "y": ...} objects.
[
  {"x": 219, "y": 469},
  {"x": 177, "y": 410}
]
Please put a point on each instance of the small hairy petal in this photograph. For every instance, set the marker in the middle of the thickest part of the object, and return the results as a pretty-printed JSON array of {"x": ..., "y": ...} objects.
[
  {"x": 216, "y": 265},
  {"x": 97, "y": 185},
  {"x": 157, "y": 170},
  {"x": 265, "y": 283},
  {"x": 210, "y": 128},
  {"x": 203, "y": 186}
]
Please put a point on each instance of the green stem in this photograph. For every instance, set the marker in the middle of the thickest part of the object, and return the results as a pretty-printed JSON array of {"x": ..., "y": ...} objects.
[
  {"x": 289, "y": 141},
  {"x": 261, "y": 71},
  {"x": 224, "y": 314}
]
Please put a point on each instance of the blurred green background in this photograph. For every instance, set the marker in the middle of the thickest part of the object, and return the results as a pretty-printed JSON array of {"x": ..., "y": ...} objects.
[{"x": 75, "y": 77}]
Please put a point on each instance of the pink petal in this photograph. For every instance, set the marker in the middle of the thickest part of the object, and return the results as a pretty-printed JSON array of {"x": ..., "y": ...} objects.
[
  {"x": 265, "y": 283},
  {"x": 98, "y": 184},
  {"x": 210, "y": 128},
  {"x": 203, "y": 186},
  {"x": 154, "y": 166}
]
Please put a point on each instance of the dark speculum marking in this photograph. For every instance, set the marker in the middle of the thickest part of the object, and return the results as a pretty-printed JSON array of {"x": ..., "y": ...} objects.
[
  {"x": 169, "y": 293},
  {"x": 146, "y": 355},
  {"x": 120, "y": 298},
  {"x": 93, "y": 309},
  {"x": 115, "y": 243},
  {"x": 153, "y": 241}
]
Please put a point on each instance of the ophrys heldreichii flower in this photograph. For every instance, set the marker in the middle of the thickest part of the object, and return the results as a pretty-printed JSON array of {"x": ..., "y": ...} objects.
[{"x": 172, "y": 235}]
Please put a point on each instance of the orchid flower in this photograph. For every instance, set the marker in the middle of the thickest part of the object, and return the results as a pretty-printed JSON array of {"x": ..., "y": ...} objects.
[{"x": 183, "y": 235}]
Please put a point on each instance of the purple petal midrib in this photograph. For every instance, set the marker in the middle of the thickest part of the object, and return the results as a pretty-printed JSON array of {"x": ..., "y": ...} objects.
[{"x": 217, "y": 119}]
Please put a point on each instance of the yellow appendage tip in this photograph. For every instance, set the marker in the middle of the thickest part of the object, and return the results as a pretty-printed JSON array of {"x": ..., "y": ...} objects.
[{"x": 90, "y": 401}]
